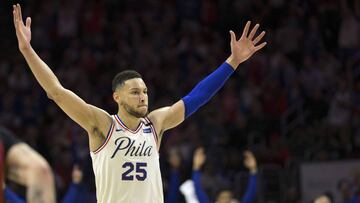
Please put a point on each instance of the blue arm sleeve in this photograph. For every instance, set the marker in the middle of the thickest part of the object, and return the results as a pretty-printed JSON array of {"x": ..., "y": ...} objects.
[
  {"x": 250, "y": 190},
  {"x": 174, "y": 184},
  {"x": 206, "y": 89},
  {"x": 12, "y": 197},
  {"x": 200, "y": 193},
  {"x": 71, "y": 193}
]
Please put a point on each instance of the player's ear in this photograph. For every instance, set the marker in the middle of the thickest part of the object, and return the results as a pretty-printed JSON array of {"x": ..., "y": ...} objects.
[{"x": 116, "y": 96}]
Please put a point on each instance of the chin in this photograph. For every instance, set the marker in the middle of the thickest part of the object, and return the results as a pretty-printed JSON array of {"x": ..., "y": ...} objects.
[
  {"x": 140, "y": 114},
  {"x": 145, "y": 113}
]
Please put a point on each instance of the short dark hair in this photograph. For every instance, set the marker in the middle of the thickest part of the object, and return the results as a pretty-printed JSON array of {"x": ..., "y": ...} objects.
[{"x": 123, "y": 76}]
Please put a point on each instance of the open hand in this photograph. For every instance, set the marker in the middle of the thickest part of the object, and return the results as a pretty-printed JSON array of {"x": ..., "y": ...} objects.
[
  {"x": 174, "y": 159},
  {"x": 246, "y": 46},
  {"x": 77, "y": 174},
  {"x": 199, "y": 158},
  {"x": 23, "y": 32},
  {"x": 250, "y": 161}
]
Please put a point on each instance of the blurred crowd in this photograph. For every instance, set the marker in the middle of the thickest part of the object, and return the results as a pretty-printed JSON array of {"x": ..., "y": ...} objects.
[{"x": 297, "y": 100}]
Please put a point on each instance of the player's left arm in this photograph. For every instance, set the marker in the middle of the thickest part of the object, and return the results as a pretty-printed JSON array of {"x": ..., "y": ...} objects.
[{"x": 169, "y": 117}]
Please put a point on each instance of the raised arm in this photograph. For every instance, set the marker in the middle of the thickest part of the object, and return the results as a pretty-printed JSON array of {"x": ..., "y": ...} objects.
[
  {"x": 241, "y": 50},
  {"x": 74, "y": 189},
  {"x": 198, "y": 161},
  {"x": 174, "y": 182},
  {"x": 87, "y": 116},
  {"x": 250, "y": 163}
]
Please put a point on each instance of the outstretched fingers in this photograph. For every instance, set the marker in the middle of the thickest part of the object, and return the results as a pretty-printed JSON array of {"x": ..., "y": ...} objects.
[
  {"x": 253, "y": 31},
  {"x": 232, "y": 36},
  {"x": 14, "y": 15},
  {"x": 246, "y": 29},
  {"x": 28, "y": 22},
  {"x": 257, "y": 48},
  {"x": 19, "y": 13},
  {"x": 259, "y": 37}
]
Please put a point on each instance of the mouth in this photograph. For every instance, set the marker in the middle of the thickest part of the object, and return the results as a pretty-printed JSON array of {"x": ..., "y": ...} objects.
[{"x": 142, "y": 106}]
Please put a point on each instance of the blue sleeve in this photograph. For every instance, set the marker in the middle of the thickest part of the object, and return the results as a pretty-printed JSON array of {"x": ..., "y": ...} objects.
[
  {"x": 174, "y": 184},
  {"x": 206, "y": 89},
  {"x": 12, "y": 197},
  {"x": 71, "y": 193},
  {"x": 200, "y": 193},
  {"x": 250, "y": 190}
]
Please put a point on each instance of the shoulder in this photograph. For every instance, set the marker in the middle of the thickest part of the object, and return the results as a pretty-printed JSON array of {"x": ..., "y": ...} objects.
[{"x": 158, "y": 115}]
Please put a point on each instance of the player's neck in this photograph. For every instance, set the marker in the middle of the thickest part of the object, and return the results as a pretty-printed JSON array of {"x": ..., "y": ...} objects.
[{"x": 130, "y": 121}]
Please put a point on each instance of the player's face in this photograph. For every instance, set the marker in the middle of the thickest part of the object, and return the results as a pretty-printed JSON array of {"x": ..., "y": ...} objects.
[
  {"x": 133, "y": 97},
  {"x": 224, "y": 197}
]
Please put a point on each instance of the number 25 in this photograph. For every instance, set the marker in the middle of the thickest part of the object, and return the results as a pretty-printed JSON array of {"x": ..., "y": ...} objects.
[{"x": 141, "y": 173}]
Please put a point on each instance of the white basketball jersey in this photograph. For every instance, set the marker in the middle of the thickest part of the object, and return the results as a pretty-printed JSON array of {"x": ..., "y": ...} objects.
[{"x": 127, "y": 166}]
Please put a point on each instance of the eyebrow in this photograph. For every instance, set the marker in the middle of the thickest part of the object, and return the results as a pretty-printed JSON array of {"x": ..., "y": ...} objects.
[{"x": 136, "y": 88}]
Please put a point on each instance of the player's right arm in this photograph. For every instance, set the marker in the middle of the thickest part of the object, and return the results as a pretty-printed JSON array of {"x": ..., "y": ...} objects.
[{"x": 87, "y": 116}]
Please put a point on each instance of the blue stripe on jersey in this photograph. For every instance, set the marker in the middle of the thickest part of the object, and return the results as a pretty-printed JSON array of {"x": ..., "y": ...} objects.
[{"x": 147, "y": 130}]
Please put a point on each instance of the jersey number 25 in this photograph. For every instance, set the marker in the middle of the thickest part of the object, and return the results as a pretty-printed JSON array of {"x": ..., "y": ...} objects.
[{"x": 140, "y": 172}]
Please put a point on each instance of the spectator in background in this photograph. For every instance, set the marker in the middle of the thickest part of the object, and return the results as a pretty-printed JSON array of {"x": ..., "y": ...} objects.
[
  {"x": 324, "y": 198},
  {"x": 72, "y": 195},
  {"x": 27, "y": 167},
  {"x": 346, "y": 188},
  {"x": 225, "y": 196},
  {"x": 174, "y": 180}
]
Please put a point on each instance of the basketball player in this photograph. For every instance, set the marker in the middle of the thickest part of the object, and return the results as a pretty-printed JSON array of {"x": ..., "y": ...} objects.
[
  {"x": 124, "y": 147},
  {"x": 27, "y": 167}
]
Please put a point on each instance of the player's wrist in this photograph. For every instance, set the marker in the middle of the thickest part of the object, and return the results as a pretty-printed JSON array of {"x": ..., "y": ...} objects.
[
  {"x": 25, "y": 49},
  {"x": 196, "y": 167},
  {"x": 233, "y": 62},
  {"x": 24, "y": 45},
  {"x": 253, "y": 171}
]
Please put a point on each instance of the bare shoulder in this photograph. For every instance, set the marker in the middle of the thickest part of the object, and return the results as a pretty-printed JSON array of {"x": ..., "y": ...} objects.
[
  {"x": 103, "y": 119},
  {"x": 168, "y": 117},
  {"x": 157, "y": 113},
  {"x": 157, "y": 118},
  {"x": 100, "y": 129}
]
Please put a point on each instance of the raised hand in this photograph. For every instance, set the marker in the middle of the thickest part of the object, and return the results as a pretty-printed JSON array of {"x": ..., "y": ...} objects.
[
  {"x": 246, "y": 46},
  {"x": 77, "y": 174},
  {"x": 250, "y": 162},
  {"x": 23, "y": 32},
  {"x": 199, "y": 158},
  {"x": 174, "y": 159}
]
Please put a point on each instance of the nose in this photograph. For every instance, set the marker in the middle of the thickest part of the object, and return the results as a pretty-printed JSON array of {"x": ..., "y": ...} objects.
[{"x": 142, "y": 97}]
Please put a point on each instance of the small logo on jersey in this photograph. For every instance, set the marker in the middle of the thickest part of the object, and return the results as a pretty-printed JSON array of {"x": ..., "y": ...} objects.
[
  {"x": 118, "y": 130},
  {"x": 147, "y": 130}
]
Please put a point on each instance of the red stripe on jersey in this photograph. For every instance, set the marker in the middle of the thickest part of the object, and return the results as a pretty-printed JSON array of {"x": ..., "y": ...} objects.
[
  {"x": 111, "y": 130},
  {"x": 153, "y": 129}
]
